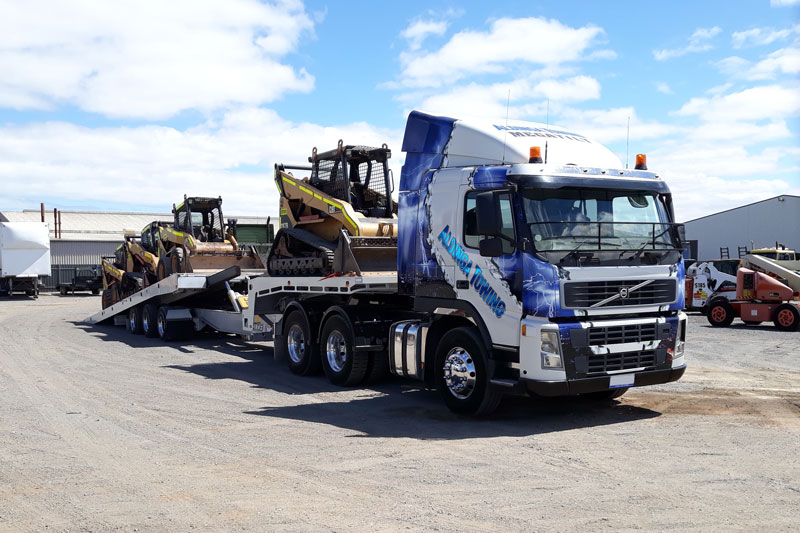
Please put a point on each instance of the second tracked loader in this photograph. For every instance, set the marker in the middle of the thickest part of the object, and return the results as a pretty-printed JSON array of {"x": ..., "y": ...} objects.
[
  {"x": 340, "y": 218},
  {"x": 199, "y": 239}
]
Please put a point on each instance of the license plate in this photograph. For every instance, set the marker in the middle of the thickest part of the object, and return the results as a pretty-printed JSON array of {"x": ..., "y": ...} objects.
[{"x": 621, "y": 380}]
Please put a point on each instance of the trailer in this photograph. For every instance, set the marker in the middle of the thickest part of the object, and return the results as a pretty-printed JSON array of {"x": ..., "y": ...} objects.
[
  {"x": 24, "y": 257},
  {"x": 514, "y": 273}
]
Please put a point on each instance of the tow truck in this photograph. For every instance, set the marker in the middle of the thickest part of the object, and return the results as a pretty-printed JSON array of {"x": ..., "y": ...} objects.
[{"x": 528, "y": 261}]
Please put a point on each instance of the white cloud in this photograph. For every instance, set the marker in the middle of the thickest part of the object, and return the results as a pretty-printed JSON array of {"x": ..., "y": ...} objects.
[
  {"x": 766, "y": 102},
  {"x": 697, "y": 43},
  {"x": 783, "y": 3},
  {"x": 528, "y": 97},
  {"x": 418, "y": 31},
  {"x": 528, "y": 40},
  {"x": 781, "y": 61},
  {"x": 154, "y": 166},
  {"x": 149, "y": 59},
  {"x": 611, "y": 125},
  {"x": 663, "y": 87},
  {"x": 758, "y": 37}
]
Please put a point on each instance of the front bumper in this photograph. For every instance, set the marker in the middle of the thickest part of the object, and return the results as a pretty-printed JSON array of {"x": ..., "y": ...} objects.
[{"x": 576, "y": 386}]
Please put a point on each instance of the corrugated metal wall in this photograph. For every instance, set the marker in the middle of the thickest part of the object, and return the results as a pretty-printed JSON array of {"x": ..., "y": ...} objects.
[{"x": 66, "y": 256}]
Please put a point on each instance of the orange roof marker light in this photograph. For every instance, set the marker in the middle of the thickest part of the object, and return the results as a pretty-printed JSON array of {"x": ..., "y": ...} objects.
[
  {"x": 641, "y": 162},
  {"x": 535, "y": 155}
]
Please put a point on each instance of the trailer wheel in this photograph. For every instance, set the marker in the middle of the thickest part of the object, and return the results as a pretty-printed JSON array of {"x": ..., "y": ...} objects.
[
  {"x": 787, "y": 317},
  {"x": 134, "y": 323},
  {"x": 462, "y": 375},
  {"x": 720, "y": 313},
  {"x": 150, "y": 320},
  {"x": 62, "y": 290},
  {"x": 296, "y": 343},
  {"x": 343, "y": 365}
]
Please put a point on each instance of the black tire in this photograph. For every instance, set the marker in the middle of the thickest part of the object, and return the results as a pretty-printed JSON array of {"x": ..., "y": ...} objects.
[
  {"x": 720, "y": 313},
  {"x": 150, "y": 320},
  {"x": 302, "y": 353},
  {"x": 342, "y": 364},
  {"x": 95, "y": 291},
  {"x": 787, "y": 317},
  {"x": 377, "y": 368},
  {"x": 605, "y": 395},
  {"x": 161, "y": 269},
  {"x": 752, "y": 322},
  {"x": 468, "y": 392},
  {"x": 62, "y": 290},
  {"x": 174, "y": 330},
  {"x": 134, "y": 322},
  {"x": 176, "y": 260}
]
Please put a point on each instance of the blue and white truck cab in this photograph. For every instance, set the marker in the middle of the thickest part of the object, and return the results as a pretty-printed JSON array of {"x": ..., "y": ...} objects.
[{"x": 559, "y": 270}]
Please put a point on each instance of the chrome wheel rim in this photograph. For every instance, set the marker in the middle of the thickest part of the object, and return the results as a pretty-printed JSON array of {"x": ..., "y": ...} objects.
[
  {"x": 459, "y": 373},
  {"x": 336, "y": 350},
  {"x": 145, "y": 324},
  {"x": 160, "y": 326},
  {"x": 296, "y": 343},
  {"x": 132, "y": 320}
]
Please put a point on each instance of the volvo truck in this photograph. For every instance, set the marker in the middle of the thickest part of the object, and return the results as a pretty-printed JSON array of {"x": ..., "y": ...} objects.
[{"x": 528, "y": 261}]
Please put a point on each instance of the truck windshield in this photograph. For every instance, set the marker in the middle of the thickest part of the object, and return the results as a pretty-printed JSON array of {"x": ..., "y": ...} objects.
[{"x": 571, "y": 219}]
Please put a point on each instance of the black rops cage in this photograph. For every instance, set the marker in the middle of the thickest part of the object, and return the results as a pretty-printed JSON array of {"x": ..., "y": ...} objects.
[{"x": 358, "y": 175}]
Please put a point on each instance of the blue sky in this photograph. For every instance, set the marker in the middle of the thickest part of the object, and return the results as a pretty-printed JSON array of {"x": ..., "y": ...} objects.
[{"x": 106, "y": 105}]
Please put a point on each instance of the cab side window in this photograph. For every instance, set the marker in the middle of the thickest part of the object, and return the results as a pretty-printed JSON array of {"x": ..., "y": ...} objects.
[{"x": 471, "y": 237}]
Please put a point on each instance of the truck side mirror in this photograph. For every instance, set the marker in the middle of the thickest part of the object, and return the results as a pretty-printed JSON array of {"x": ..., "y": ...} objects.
[
  {"x": 491, "y": 247},
  {"x": 487, "y": 214},
  {"x": 680, "y": 233}
]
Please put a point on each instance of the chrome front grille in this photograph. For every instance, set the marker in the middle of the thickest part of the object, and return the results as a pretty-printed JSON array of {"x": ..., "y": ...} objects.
[
  {"x": 599, "y": 336},
  {"x": 599, "y": 294}
]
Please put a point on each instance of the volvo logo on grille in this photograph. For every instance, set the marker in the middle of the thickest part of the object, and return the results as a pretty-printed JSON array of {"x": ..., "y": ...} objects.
[{"x": 624, "y": 292}]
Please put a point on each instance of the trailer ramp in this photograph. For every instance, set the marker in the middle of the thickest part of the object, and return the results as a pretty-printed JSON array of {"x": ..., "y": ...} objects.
[{"x": 167, "y": 291}]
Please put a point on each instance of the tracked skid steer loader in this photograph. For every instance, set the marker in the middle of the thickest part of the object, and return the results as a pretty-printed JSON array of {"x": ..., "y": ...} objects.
[
  {"x": 339, "y": 219},
  {"x": 199, "y": 239}
]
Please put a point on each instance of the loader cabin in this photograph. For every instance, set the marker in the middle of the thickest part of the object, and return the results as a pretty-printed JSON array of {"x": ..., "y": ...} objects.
[
  {"x": 201, "y": 218},
  {"x": 358, "y": 175}
]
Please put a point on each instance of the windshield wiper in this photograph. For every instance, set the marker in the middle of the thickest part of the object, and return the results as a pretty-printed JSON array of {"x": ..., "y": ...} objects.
[
  {"x": 639, "y": 250},
  {"x": 574, "y": 251}
]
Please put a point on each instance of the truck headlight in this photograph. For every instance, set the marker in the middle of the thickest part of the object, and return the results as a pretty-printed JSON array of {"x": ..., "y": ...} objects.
[
  {"x": 680, "y": 339},
  {"x": 551, "y": 350}
]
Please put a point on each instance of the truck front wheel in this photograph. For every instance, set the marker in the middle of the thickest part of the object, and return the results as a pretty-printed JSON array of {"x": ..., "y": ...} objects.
[
  {"x": 303, "y": 355},
  {"x": 787, "y": 317},
  {"x": 720, "y": 313},
  {"x": 462, "y": 376}
]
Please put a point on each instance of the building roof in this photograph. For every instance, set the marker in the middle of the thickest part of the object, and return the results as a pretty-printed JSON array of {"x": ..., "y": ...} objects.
[
  {"x": 745, "y": 205},
  {"x": 101, "y": 225}
]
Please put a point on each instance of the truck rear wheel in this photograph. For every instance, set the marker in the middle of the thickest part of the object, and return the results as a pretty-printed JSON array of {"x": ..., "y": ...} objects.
[
  {"x": 787, "y": 317},
  {"x": 462, "y": 375},
  {"x": 150, "y": 320},
  {"x": 303, "y": 356},
  {"x": 720, "y": 313},
  {"x": 134, "y": 323},
  {"x": 343, "y": 365}
]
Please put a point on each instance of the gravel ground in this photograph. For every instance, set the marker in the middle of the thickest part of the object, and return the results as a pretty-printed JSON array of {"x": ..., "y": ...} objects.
[{"x": 100, "y": 431}]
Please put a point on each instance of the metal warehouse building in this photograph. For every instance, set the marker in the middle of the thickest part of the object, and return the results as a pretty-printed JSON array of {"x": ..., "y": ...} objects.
[
  {"x": 87, "y": 236},
  {"x": 757, "y": 225}
]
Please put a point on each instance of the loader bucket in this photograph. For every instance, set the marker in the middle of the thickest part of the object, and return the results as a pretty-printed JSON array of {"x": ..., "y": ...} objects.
[
  {"x": 247, "y": 261},
  {"x": 365, "y": 254}
]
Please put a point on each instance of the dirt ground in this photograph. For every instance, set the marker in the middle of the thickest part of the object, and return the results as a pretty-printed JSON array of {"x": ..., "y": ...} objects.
[{"x": 101, "y": 431}]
